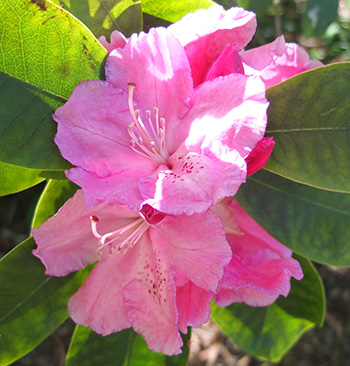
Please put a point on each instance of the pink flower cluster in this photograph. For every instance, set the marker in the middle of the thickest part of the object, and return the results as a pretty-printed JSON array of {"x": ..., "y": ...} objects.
[{"x": 159, "y": 149}]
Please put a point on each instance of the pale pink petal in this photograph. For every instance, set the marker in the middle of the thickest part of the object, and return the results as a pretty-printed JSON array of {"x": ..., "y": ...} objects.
[
  {"x": 119, "y": 188},
  {"x": 228, "y": 62},
  {"x": 93, "y": 130},
  {"x": 99, "y": 302},
  {"x": 259, "y": 155},
  {"x": 277, "y": 62},
  {"x": 248, "y": 295},
  {"x": 193, "y": 304},
  {"x": 259, "y": 263},
  {"x": 205, "y": 33},
  {"x": 195, "y": 247},
  {"x": 66, "y": 242},
  {"x": 118, "y": 40},
  {"x": 230, "y": 109},
  {"x": 195, "y": 182},
  {"x": 157, "y": 64},
  {"x": 153, "y": 314}
]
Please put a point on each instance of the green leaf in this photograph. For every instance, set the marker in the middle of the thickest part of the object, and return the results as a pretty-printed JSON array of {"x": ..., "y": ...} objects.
[
  {"x": 27, "y": 129},
  {"x": 269, "y": 332},
  {"x": 318, "y": 15},
  {"x": 307, "y": 299},
  {"x": 309, "y": 118},
  {"x": 33, "y": 305},
  {"x": 125, "y": 348},
  {"x": 173, "y": 10},
  {"x": 312, "y": 222},
  {"x": 56, "y": 193},
  {"x": 104, "y": 16},
  {"x": 15, "y": 179},
  {"x": 53, "y": 52}
]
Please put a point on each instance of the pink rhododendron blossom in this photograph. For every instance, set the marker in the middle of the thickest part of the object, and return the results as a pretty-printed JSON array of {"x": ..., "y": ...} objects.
[
  {"x": 162, "y": 130},
  {"x": 155, "y": 273},
  {"x": 260, "y": 268}
]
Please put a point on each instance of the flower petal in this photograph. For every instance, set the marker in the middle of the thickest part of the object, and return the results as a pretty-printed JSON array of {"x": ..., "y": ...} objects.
[
  {"x": 194, "y": 183},
  {"x": 195, "y": 246},
  {"x": 205, "y": 33},
  {"x": 157, "y": 64},
  {"x": 93, "y": 130},
  {"x": 230, "y": 109},
  {"x": 228, "y": 62},
  {"x": 193, "y": 304},
  {"x": 66, "y": 242},
  {"x": 277, "y": 61},
  {"x": 118, "y": 40},
  {"x": 259, "y": 155},
  {"x": 260, "y": 264},
  {"x": 114, "y": 189}
]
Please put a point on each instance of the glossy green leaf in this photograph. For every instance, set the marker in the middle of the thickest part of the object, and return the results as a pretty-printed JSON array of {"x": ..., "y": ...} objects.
[
  {"x": 125, "y": 348},
  {"x": 309, "y": 118},
  {"x": 312, "y": 222},
  {"x": 15, "y": 179},
  {"x": 307, "y": 299},
  {"x": 56, "y": 193},
  {"x": 104, "y": 16},
  {"x": 269, "y": 332},
  {"x": 173, "y": 10},
  {"x": 27, "y": 129},
  {"x": 53, "y": 52},
  {"x": 33, "y": 305},
  {"x": 318, "y": 15}
]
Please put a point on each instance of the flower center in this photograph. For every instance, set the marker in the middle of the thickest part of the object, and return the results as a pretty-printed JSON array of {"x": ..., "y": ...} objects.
[
  {"x": 147, "y": 139},
  {"x": 123, "y": 238}
]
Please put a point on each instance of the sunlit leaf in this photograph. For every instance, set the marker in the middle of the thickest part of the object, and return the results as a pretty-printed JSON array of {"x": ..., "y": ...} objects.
[
  {"x": 173, "y": 10},
  {"x": 45, "y": 52},
  {"x": 104, "y": 16},
  {"x": 312, "y": 222},
  {"x": 309, "y": 118},
  {"x": 33, "y": 305},
  {"x": 125, "y": 348},
  {"x": 56, "y": 193},
  {"x": 15, "y": 179},
  {"x": 269, "y": 332}
]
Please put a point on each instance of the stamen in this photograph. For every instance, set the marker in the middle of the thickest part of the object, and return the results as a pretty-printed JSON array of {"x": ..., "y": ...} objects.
[
  {"x": 151, "y": 141},
  {"x": 133, "y": 233}
]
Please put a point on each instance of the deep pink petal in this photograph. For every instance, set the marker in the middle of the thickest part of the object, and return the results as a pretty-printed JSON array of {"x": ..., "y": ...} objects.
[
  {"x": 66, "y": 242},
  {"x": 277, "y": 61},
  {"x": 195, "y": 246},
  {"x": 194, "y": 183},
  {"x": 228, "y": 62},
  {"x": 205, "y": 33},
  {"x": 157, "y": 64},
  {"x": 259, "y": 263},
  {"x": 259, "y": 155},
  {"x": 114, "y": 189},
  {"x": 118, "y": 40},
  {"x": 93, "y": 130},
  {"x": 193, "y": 304}
]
